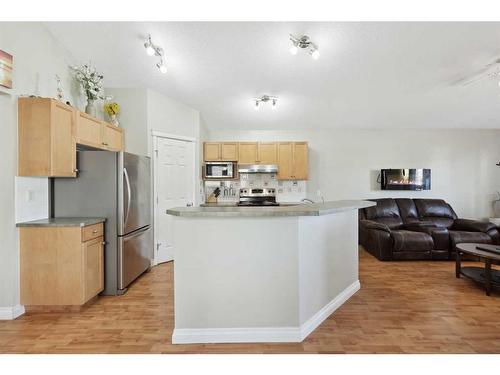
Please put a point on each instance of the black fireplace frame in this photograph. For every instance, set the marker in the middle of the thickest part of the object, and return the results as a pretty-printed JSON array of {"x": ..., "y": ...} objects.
[{"x": 385, "y": 185}]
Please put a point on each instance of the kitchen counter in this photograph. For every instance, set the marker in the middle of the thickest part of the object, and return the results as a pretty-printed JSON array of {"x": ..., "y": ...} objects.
[
  {"x": 62, "y": 222},
  {"x": 231, "y": 210},
  {"x": 262, "y": 274}
]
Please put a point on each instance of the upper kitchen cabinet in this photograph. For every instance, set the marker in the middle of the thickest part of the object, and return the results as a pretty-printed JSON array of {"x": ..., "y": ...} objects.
[
  {"x": 248, "y": 153},
  {"x": 111, "y": 137},
  {"x": 46, "y": 138},
  {"x": 88, "y": 130},
  {"x": 98, "y": 134},
  {"x": 293, "y": 161},
  {"x": 211, "y": 151},
  {"x": 268, "y": 153},
  {"x": 220, "y": 151},
  {"x": 229, "y": 151}
]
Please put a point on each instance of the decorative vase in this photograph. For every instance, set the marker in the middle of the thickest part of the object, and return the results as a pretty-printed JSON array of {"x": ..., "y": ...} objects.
[
  {"x": 90, "y": 108},
  {"x": 114, "y": 120}
]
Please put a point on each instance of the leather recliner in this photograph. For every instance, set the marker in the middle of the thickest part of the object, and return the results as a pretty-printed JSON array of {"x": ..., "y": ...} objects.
[{"x": 405, "y": 229}]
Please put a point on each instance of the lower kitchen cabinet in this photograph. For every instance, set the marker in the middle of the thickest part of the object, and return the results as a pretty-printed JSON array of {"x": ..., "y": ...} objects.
[{"x": 61, "y": 265}]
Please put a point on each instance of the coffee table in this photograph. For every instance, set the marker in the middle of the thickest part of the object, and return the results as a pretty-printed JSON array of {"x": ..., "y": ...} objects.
[{"x": 490, "y": 278}]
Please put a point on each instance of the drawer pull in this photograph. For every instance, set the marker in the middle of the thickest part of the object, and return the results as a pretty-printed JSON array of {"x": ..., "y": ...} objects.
[
  {"x": 104, "y": 242},
  {"x": 95, "y": 231}
]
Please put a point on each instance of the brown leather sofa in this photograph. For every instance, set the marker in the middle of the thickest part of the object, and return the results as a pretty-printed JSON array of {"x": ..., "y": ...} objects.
[{"x": 405, "y": 229}]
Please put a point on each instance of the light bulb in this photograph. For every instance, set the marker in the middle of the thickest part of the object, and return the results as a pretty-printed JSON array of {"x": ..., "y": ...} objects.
[
  {"x": 150, "y": 50},
  {"x": 315, "y": 54},
  {"x": 162, "y": 67},
  {"x": 293, "y": 49}
]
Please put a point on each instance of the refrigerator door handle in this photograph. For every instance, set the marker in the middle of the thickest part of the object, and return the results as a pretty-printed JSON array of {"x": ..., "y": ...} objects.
[
  {"x": 137, "y": 233},
  {"x": 129, "y": 196}
]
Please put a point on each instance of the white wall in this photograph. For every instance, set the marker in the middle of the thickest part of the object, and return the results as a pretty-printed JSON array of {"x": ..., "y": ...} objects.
[
  {"x": 37, "y": 58},
  {"x": 344, "y": 164}
]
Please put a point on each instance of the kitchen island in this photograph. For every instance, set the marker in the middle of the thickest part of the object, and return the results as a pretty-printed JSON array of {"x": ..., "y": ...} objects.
[{"x": 262, "y": 274}]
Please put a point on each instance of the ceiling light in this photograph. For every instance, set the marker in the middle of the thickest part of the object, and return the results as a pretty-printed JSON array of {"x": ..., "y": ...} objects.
[
  {"x": 150, "y": 49},
  {"x": 154, "y": 50},
  {"x": 161, "y": 65},
  {"x": 266, "y": 99},
  {"x": 303, "y": 42}
]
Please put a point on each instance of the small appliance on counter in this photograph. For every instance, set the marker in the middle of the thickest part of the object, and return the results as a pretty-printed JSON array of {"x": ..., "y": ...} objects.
[
  {"x": 225, "y": 192},
  {"x": 258, "y": 197}
]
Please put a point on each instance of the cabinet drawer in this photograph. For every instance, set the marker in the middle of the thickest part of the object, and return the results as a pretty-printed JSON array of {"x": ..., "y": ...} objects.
[{"x": 92, "y": 231}]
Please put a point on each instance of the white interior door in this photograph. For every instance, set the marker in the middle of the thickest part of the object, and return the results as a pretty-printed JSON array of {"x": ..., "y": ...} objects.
[{"x": 174, "y": 187}]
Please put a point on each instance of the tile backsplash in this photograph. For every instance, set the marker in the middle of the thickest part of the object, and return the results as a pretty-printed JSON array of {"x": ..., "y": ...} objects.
[{"x": 287, "y": 191}]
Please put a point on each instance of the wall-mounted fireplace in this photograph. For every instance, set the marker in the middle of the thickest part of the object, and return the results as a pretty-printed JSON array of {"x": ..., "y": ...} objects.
[{"x": 405, "y": 179}]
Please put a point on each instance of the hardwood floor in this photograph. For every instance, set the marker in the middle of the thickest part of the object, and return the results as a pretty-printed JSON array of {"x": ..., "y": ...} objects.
[{"x": 402, "y": 307}]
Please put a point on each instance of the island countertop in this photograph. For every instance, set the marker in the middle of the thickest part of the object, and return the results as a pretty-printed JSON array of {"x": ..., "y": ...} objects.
[{"x": 313, "y": 209}]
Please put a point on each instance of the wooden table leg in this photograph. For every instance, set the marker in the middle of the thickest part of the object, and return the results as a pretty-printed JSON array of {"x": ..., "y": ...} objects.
[
  {"x": 458, "y": 259},
  {"x": 487, "y": 274}
]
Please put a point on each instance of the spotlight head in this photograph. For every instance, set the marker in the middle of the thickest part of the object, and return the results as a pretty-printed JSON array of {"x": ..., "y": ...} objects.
[{"x": 161, "y": 65}]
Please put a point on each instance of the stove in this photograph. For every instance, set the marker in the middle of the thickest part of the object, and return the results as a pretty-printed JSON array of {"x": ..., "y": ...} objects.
[{"x": 252, "y": 197}]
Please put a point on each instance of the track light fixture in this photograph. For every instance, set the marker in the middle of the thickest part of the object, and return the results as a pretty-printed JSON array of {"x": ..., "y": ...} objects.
[
  {"x": 266, "y": 99},
  {"x": 154, "y": 50},
  {"x": 304, "y": 42}
]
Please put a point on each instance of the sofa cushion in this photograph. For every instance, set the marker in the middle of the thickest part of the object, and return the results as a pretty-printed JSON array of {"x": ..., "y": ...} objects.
[
  {"x": 408, "y": 210},
  {"x": 386, "y": 212},
  {"x": 436, "y": 211},
  {"x": 405, "y": 240},
  {"x": 457, "y": 237}
]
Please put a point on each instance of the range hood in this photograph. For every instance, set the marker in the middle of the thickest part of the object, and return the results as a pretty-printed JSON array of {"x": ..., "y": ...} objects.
[{"x": 257, "y": 168}]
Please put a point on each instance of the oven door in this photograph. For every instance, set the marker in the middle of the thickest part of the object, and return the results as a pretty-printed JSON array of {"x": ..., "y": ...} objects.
[{"x": 215, "y": 170}]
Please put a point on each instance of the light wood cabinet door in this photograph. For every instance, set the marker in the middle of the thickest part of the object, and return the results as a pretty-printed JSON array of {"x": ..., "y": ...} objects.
[
  {"x": 285, "y": 160},
  {"x": 212, "y": 151},
  {"x": 229, "y": 151},
  {"x": 88, "y": 130},
  {"x": 46, "y": 144},
  {"x": 300, "y": 161},
  {"x": 248, "y": 153},
  {"x": 93, "y": 265},
  {"x": 63, "y": 145},
  {"x": 112, "y": 137},
  {"x": 268, "y": 153}
]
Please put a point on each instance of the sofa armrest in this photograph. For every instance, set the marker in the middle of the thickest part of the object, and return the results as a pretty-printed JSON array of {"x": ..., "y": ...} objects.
[
  {"x": 472, "y": 225},
  {"x": 370, "y": 224}
]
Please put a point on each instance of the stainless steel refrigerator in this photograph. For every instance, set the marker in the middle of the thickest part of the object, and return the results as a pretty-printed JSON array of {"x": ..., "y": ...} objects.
[{"x": 116, "y": 186}]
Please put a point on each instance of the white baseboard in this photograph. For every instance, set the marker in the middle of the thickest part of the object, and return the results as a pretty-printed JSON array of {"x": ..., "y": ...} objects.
[
  {"x": 318, "y": 318},
  {"x": 264, "y": 334},
  {"x": 11, "y": 312}
]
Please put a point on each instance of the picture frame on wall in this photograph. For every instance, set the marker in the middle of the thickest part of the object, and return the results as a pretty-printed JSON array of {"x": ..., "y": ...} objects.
[{"x": 6, "y": 68}]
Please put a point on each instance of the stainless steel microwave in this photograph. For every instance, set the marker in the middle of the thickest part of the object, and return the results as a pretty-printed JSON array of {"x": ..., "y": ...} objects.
[{"x": 219, "y": 170}]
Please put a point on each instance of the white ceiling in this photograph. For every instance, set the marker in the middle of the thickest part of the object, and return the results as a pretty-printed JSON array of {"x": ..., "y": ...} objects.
[{"x": 369, "y": 75}]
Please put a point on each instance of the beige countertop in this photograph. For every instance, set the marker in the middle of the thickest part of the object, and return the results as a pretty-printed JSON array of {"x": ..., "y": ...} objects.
[
  {"x": 62, "y": 222},
  {"x": 314, "y": 209}
]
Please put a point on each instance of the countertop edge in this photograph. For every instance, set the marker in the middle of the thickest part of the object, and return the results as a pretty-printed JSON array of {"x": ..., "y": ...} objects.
[
  {"x": 285, "y": 211},
  {"x": 62, "y": 222}
]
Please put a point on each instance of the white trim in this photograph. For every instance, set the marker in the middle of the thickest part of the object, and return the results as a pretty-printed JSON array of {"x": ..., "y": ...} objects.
[
  {"x": 155, "y": 134},
  {"x": 265, "y": 334},
  {"x": 312, "y": 323},
  {"x": 11, "y": 312}
]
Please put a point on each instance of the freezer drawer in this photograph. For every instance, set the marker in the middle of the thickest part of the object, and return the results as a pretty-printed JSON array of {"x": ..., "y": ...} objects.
[{"x": 135, "y": 252}]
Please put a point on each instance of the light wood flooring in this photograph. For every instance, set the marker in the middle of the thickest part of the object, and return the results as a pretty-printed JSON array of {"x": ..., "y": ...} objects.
[{"x": 402, "y": 307}]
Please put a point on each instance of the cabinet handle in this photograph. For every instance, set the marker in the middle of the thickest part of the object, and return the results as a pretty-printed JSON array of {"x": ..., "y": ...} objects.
[
  {"x": 95, "y": 231},
  {"x": 104, "y": 143},
  {"x": 76, "y": 170},
  {"x": 104, "y": 242}
]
